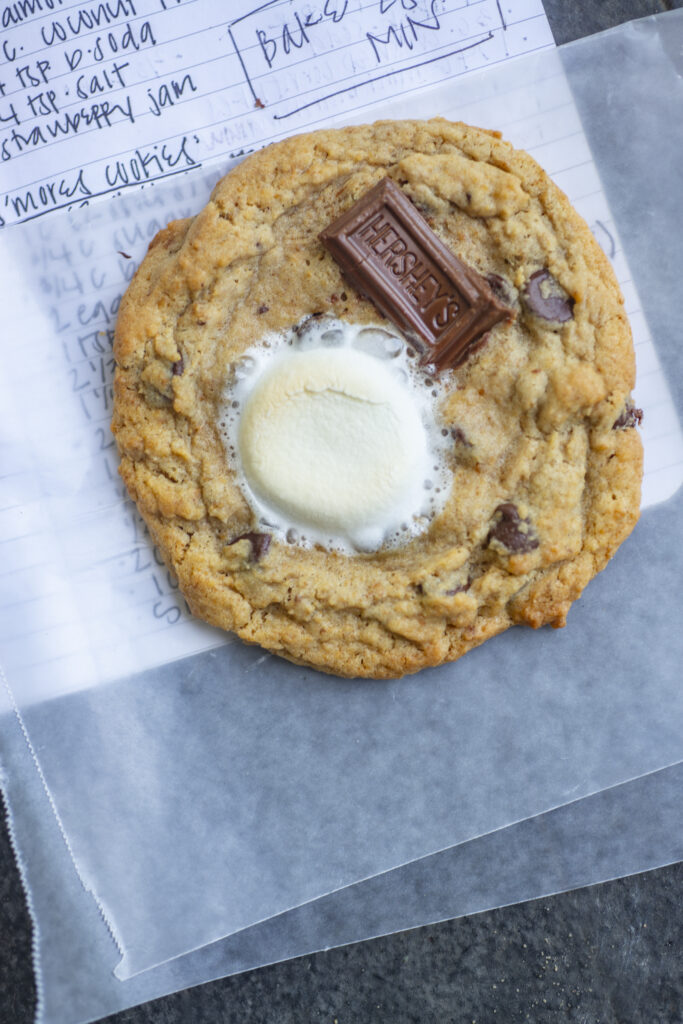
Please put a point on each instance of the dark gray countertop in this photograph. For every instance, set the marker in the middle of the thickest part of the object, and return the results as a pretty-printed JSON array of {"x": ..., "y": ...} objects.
[{"x": 609, "y": 954}]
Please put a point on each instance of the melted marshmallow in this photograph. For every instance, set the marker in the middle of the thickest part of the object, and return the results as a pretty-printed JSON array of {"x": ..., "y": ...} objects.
[{"x": 334, "y": 438}]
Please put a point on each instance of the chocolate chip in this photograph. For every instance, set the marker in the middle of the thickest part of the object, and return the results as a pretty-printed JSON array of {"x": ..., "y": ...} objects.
[
  {"x": 510, "y": 530},
  {"x": 262, "y": 309},
  {"x": 178, "y": 367},
  {"x": 310, "y": 325},
  {"x": 125, "y": 255},
  {"x": 502, "y": 289},
  {"x": 547, "y": 298},
  {"x": 628, "y": 417},
  {"x": 460, "y": 589},
  {"x": 260, "y": 542},
  {"x": 424, "y": 209},
  {"x": 303, "y": 325},
  {"x": 460, "y": 437}
]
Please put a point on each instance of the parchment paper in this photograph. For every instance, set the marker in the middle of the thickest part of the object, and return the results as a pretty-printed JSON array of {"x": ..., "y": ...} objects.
[
  {"x": 202, "y": 796},
  {"x": 621, "y": 831}
]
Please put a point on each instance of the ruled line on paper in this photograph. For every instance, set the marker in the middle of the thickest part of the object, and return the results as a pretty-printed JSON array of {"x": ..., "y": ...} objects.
[
  {"x": 117, "y": 189},
  {"x": 379, "y": 78},
  {"x": 398, "y": 69}
]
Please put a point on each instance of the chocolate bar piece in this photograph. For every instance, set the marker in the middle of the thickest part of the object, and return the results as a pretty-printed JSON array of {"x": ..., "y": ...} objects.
[{"x": 388, "y": 252}]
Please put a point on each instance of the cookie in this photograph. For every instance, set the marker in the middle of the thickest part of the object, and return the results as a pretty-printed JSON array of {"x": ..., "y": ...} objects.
[{"x": 529, "y": 441}]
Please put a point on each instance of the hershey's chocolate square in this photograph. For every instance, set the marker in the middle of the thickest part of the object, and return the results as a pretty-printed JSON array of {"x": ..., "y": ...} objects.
[{"x": 389, "y": 253}]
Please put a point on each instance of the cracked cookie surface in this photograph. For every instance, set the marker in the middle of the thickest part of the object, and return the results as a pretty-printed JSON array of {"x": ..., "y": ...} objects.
[{"x": 545, "y": 459}]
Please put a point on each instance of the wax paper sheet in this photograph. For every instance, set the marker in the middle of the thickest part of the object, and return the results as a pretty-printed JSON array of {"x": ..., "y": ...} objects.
[
  {"x": 203, "y": 795},
  {"x": 620, "y": 831}
]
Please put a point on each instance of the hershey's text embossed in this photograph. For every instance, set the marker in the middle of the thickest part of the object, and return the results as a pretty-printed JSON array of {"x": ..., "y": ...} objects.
[{"x": 389, "y": 253}]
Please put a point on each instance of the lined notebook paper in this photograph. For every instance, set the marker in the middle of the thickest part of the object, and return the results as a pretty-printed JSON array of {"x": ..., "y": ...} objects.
[
  {"x": 82, "y": 589},
  {"x": 96, "y": 98}
]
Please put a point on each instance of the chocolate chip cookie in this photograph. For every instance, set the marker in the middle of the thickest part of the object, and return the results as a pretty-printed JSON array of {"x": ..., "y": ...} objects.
[{"x": 538, "y": 461}]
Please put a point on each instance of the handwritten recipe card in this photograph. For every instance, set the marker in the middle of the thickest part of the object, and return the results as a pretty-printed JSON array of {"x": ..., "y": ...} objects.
[
  {"x": 99, "y": 97},
  {"x": 107, "y": 98}
]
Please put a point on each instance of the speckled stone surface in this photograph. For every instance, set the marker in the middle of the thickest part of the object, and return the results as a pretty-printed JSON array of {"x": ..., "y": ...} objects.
[
  {"x": 609, "y": 954},
  {"x": 572, "y": 19}
]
